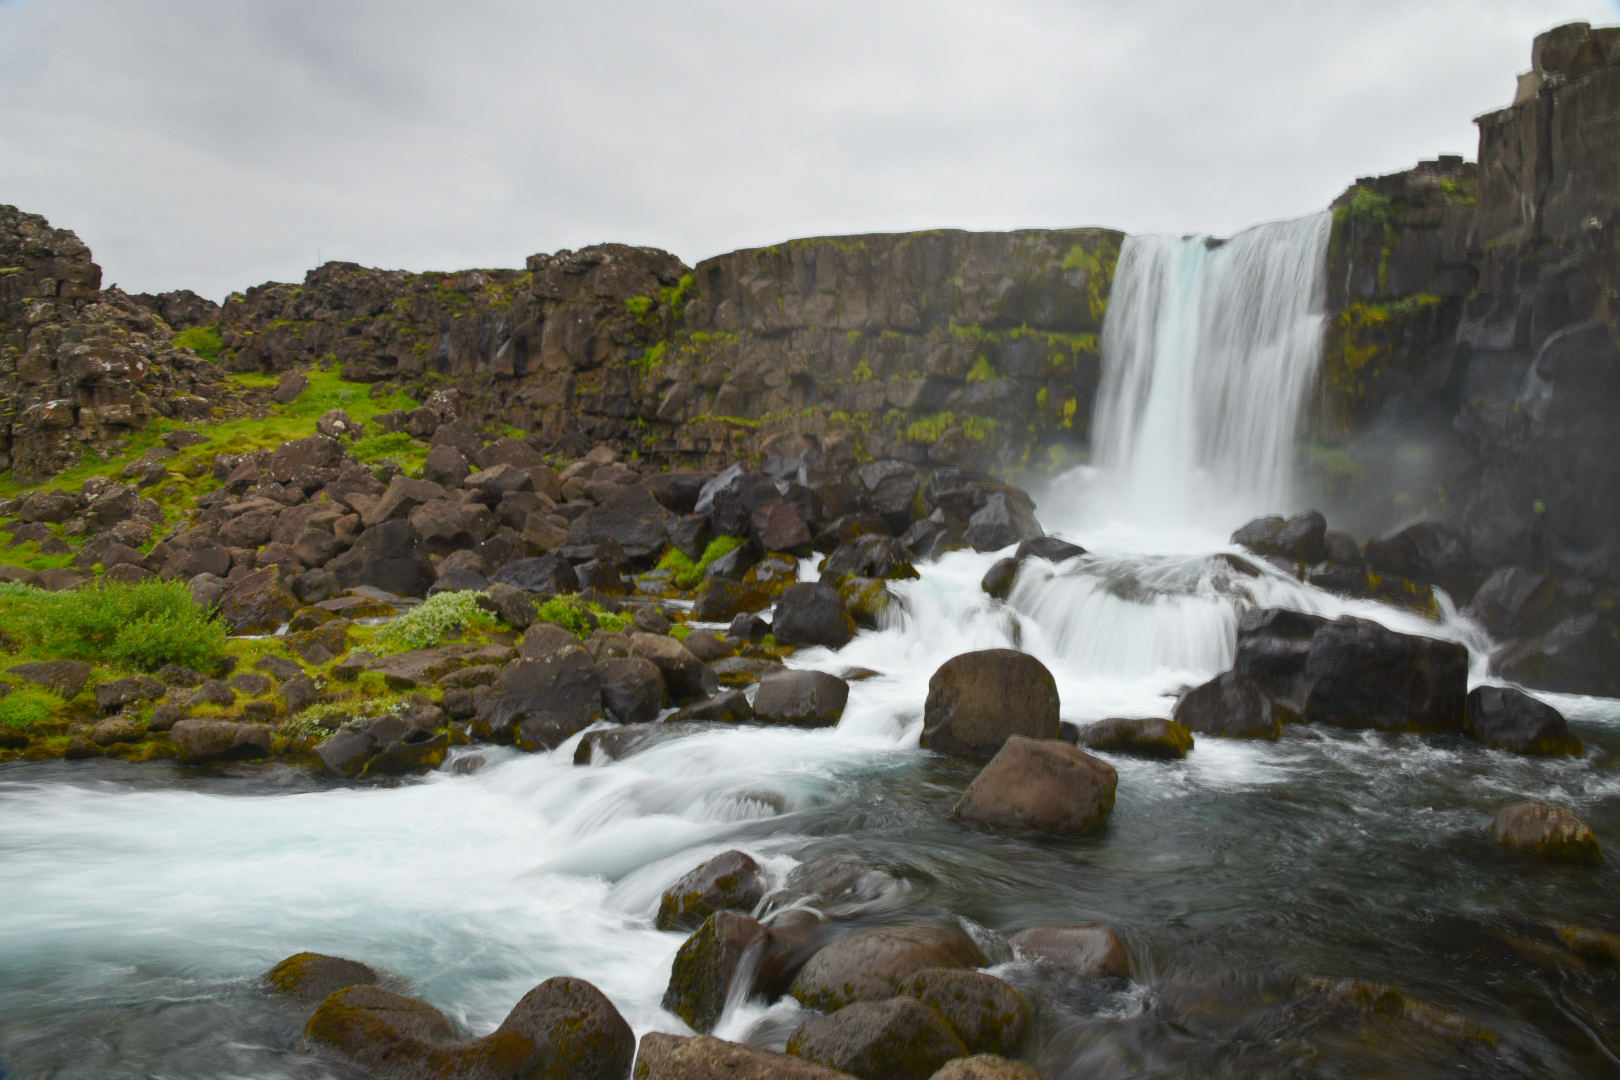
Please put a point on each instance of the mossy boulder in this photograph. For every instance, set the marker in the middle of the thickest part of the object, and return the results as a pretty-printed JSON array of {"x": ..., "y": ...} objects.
[
  {"x": 986, "y": 1067},
  {"x": 1081, "y": 951},
  {"x": 1150, "y": 737},
  {"x": 987, "y": 1014},
  {"x": 310, "y": 976},
  {"x": 673, "y": 1057},
  {"x": 898, "y": 1039},
  {"x": 731, "y": 881},
  {"x": 700, "y": 979},
  {"x": 872, "y": 965},
  {"x": 1546, "y": 831}
]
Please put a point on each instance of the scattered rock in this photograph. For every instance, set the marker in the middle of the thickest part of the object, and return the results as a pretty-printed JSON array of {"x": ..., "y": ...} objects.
[
  {"x": 122, "y": 728},
  {"x": 672, "y": 1057},
  {"x": 198, "y": 741},
  {"x": 64, "y": 678},
  {"x": 706, "y": 965},
  {"x": 1044, "y": 785},
  {"x": 731, "y": 881},
  {"x": 801, "y": 698},
  {"x": 1150, "y": 737},
  {"x": 1082, "y": 951},
  {"x": 986, "y": 1067},
  {"x": 1362, "y": 675},
  {"x": 872, "y": 965},
  {"x": 134, "y": 690},
  {"x": 310, "y": 976},
  {"x": 988, "y": 1015},
  {"x": 1509, "y": 719},
  {"x": 1230, "y": 705},
  {"x": 632, "y": 688},
  {"x": 812, "y": 613},
  {"x": 1546, "y": 831},
  {"x": 897, "y": 1039}
]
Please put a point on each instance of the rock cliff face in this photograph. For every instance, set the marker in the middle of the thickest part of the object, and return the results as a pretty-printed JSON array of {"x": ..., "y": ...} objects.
[
  {"x": 79, "y": 366},
  {"x": 1473, "y": 364},
  {"x": 939, "y": 346}
]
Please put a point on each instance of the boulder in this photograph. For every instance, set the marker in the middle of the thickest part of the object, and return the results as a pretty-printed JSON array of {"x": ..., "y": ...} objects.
[
  {"x": 812, "y": 613},
  {"x": 726, "y": 707},
  {"x": 1044, "y": 785},
  {"x": 685, "y": 676},
  {"x": 537, "y": 704},
  {"x": 794, "y": 937},
  {"x": 563, "y": 1029},
  {"x": 897, "y": 1039},
  {"x": 198, "y": 741},
  {"x": 510, "y": 604},
  {"x": 700, "y": 980},
  {"x": 723, "y": 599},
  {"x": 64, "y": 678},
  {"x": 1429, "y": 552},
  {"x": 988, "y": 1015},
  {"x": 1230, "y": 705},
  {"x": 873, "y": 964},
  {"x": 1004, "y": 517},
  {"x": 673, "y": 1057},
  {"x": 986, "y": 1067},
  {"x": 394, "y": 744},
  {"x": 1514, "y": 602},
  {"x": 801, "y": 698},
  {"x": 134, "y": 690},
  {"x": 1272, "y": 644},
  {"x": 257, "y": 604},
  {"x": 630, "y": 517},
  {"x": 782, "y": 526},
  {"x": 443, "y": 526},
  {"x": 1362, "y": 675},
  {"x": 1301, "y": 538},
  {"x": 402, "y": 495},
  {"x": 1546, "y": 831},
  {"x": 385, "y": 556},
  {"x": 445, "y": 466},
  {"x": 1050, "y": 548},
  {"x": 546, "y": 575},
  {"x": 1509, "y": 719},
  {"x": 731, "y": 881},
  {"x": 632, "y": 688},
  {"x": 309, "y": 976},
  {"x": 998, "y": 581},
  {"x": 1081, "y": 951},
  {"x": 122, "y": 728},
  {"x": 869, "y": 556},
  {"x": 977, "y": 700},
  {"x": 838, "y": 886},
  {"x": 1151, "y": 737}
]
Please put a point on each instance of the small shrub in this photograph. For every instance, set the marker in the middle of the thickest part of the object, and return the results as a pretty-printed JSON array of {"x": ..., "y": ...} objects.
[
  {"x": 202, "y": 340},
  {"x": 686, "y": 574},
  {"x": 27, "y": 706},
  {"x": 569, "y": 612},
  {"x": 982, "y": 371},
  {"x": 142, "y": 625},
  {"x": 441, "y": 616}
]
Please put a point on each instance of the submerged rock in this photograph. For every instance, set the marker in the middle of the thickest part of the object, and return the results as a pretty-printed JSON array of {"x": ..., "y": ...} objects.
[
  {"x": 1150, "y": 737},
  {"x": 1081, "y": 951},
  {"x": 310, "y": 976},
  {"x": 978, "y": 700},
  {"x": 1546, "y": 831},
  {"x": 1043, "y": 785}
]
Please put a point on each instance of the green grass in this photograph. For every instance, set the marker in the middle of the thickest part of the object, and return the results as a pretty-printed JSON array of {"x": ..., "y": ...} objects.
[
  {"x": 26, "y": 706},
  {"x": 202, "y": 340},
  {"x": 137, "y": 627},
  {"x": 686, "y": 574},
  {"x": 442, "y": 616},
  {"x": 576, "y": 616}
]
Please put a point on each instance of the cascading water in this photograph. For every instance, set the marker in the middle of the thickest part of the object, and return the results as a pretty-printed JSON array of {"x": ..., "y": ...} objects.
[
  {"x": 142, "y": 903},
  {"x": 1208, "y": 350}
]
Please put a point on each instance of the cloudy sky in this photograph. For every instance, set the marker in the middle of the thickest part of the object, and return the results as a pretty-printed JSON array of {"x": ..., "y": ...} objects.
[{"x": 215, "y": 144}]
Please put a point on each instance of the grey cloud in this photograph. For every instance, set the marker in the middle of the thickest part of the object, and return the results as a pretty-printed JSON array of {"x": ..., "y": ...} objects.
[{"x": 214, "y": 144}]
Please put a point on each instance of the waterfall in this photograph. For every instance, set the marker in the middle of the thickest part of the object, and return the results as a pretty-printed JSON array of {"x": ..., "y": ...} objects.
[{"x": 1208, "y": 350}]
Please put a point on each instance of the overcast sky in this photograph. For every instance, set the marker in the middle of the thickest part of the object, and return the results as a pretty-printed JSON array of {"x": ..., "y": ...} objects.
[{"x": 216, "y": 144}]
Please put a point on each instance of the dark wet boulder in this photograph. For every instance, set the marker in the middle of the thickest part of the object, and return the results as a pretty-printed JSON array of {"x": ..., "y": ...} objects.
[
  {"x": 987, "y": 1014},
  {"x": 257, "y": 604},
  {"x": 1081, "y": 951},
  {"x": 930, "y": 539},
  {"x": 801, "y": 698},
  {"x": 677, "y": 491},
  {"x": 1050, "y": 548},
  {"x": 870, "y": 556},
  {"x": 386, "y": 557},
  {"x": 546, "y": 575},
  {"x": 674, "y": 1057},
  {"x": 310, "y": 976},
  {"x": 897, "y": 1039},
  {"x": 1429, "y": 552},
  {"x": 1230, "y": 705},
  {"x": 64, "y": 678},
  {"x": 1359, "y": 674},
  {"x": 632, "y": 688},
  {"x": 726, "y": 707},
  {"x": 1150, "y": 737},
  {"x": 794, "y": 936},
  {"x": 510, "y": 604},
  {"x": 1005, "y": 517},
  {"x": 998, "y": 581},
  {"x": 1040, "y": 785},
  {"x": 977, "y": 700},
  {"x": 394, "y": 744},
  {"x": 563, "y": 1029},
  {"x": 1272, "y": 644},
  {"x": 537, "y": 704},
  {"x": 748, "y": 627},
  {"x": 839, "y": 886},
  {"x": 890, "y": 489},
  {"x": 1301, "y": 538},
  {"x": 629, "y": 517},
  {"x": 685, "y": 676},
  {"x": 1546, "y": 831},
  {"x": 701, "y": 977},
  {"x": 1391, "y": 589},
  {"x": 872, "y": 964},
  {"x": 443, "y": 526},
  {"x": 731, "y": 881},
  {"x": 986, "y": 1067},
  {"x": 199, "y": 741},
  {"x": 445, "y": 466},
  {"x": 1577, "y": 656},
  {"x": 723, "y": 599},
  {"x": 782, "y": 526},
  {"x": 812, "y": 613},
  {"x": 134, "y": 690},
  {"x": 1509, "y": 719}
]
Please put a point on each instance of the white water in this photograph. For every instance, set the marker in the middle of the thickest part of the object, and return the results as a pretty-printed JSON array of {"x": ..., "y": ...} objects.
[
  {"x": 476, "y": 887},
  {"x": 1208, "y": 350}
]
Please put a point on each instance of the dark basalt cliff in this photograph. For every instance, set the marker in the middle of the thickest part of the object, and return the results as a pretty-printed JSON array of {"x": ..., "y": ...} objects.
[{"x": 1472, "y": 369}]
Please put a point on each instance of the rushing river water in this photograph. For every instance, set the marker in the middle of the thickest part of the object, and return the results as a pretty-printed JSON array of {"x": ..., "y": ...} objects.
[{"x": 142, "y": 903}]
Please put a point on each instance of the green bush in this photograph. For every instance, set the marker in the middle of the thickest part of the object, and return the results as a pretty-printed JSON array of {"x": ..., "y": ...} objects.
[
  {"x": 25, "y": 707},
  {"x": 202, "y": 340},
  {"x": 577, "y": 617},
  {"x": 441, "y": 616},
  {"x": 686, "y": 574},
  {"x": 141, "y": 626}
]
